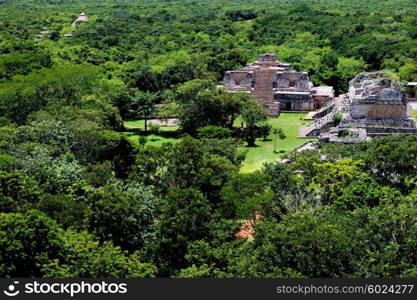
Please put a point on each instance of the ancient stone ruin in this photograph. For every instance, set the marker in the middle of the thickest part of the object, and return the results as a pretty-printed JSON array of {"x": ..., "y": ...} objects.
[
  {"x": 374, "y": 106},
  {"x": 82, "y": 18},
  {"x": 277, "y": 87}
]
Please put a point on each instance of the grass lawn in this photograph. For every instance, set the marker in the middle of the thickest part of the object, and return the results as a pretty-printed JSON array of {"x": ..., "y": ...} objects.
[
  {"x": 255, "y": 157},
  {"x": 415, "y": 114},
  {"x": 167, "y": 133},
  {"x": 264, "y": 151}
]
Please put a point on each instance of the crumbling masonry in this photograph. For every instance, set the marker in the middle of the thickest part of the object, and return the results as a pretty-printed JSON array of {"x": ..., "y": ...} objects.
[
  {"x": 374, "y": 106},
  {"x": 277, "y": 87}
]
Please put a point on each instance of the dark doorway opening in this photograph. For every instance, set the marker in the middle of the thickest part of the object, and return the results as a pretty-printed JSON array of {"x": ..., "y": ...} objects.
[{"x": 286, "y": 106}]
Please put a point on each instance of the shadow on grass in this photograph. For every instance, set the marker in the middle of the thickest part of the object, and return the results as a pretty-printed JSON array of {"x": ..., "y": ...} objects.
[
  {"x": 165, "y": 134},
  {"x": 279, "y": 152},
  {"x": 250, "y": 147}
]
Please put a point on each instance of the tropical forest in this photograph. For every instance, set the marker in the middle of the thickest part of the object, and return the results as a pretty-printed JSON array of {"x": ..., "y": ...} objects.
[{"x": 122, "y": 155}]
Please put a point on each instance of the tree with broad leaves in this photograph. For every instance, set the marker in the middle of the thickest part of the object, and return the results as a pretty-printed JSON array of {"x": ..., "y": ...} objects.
[
  {"x": 143, "y": 106},
  {"x": 252, "y": 114}
]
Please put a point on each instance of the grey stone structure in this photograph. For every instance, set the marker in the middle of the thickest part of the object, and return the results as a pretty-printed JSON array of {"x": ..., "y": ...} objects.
[
  {"x": 82, "y": 18},
  {"x": 374, "y": 106},
  {"x": 374, "y": 97},
  {"x": 277, "y": 87},
  {"x": 238, "y": 80}
]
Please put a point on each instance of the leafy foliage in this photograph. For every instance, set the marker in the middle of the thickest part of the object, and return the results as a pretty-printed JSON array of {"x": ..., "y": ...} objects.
[{"x": 79, "y": 197}]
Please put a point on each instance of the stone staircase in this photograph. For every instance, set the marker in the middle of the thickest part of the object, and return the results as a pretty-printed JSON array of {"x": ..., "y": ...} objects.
[
  {"x": 310, "y": 116},
  {"x": 262, "y": 90},
  {"x": 325, "y": 109},
  {"x": 315, "y": 128},
  {"x": 324, "y": 117}
]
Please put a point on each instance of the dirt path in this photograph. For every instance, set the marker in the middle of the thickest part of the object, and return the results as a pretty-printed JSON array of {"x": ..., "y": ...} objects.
[{"x": 167, "y": 122}]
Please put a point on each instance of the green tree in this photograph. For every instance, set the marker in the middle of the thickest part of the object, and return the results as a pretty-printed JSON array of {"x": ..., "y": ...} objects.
[
  {"x": 265, "y": 130},
  {"x": 203, "y": 104},
  {"x": 364, "y": 191},
  {"x": 123, "y": 214},
  {"x": 87, "y": 258},
  {"x": 63, "y": 85},
  {"x": 408, "y": 72},
  {"x": 243, "y": 195},
  {"x": 185, "y": 214},
  {"x": 214, "y": 132},
  {"x": 346, "y": 69},
  {"x": 332, "y": 178},
  {"x": 143, "y": 106},
  {"x": 28, "y": 241},
  {"x": 323, "y": 247},
  {"x": 232, "y": 105},
  {"x": 252, "y": 114},
  {"x": 17, "y": 190},
  {"x": 282, "y": 178},
  {"x": 278, "y": 133},
  {"x": 70, "y": 211}
]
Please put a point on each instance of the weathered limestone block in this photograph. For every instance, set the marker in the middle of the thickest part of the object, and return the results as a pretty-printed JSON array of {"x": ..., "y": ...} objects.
[
  {"x": 374, "y": 104},
  {"x": 281, "y": 81},
  {"x": 379, "y": 111},
  {"x": 238, "y": 80},
  {"x": 362, "y": 77},
  {"x": 303, "y": 81},
  {"x": 267, "y": 57},
  {"x": 391, "y": 95},
  {"x": 377, "y": 97}
]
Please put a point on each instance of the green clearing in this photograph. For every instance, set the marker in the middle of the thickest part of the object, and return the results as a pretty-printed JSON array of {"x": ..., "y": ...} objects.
[
  {"x": 264, "y": 151},
  {"x": 255, "y": 157},
  {"x": 167, "y": 134}
]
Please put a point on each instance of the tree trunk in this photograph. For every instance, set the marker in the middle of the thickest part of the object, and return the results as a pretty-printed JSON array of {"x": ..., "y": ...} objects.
[
  {"x": 275, "y": 144},
  {"x": 146, "y": 123},
  {"x": 250, "y": 137}
]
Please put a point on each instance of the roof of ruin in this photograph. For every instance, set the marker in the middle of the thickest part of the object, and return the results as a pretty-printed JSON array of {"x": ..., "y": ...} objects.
[
  {"x": 286, "y": 92},
  {"x": 376, "y": 87},
  {"x": 81, "y": 18},
  {"x": 268, "y": 60},
  {"x": 323, "y": 91}
]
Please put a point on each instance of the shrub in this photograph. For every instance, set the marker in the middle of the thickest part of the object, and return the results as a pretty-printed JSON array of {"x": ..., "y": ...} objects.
[
  {"x": 213, "y": 132},
  {"x": 264, "y": 130},
  {"x": 154, "y": 128},
  {"x": 142, "y": 140},
  {"x": 337, "y": 118}
]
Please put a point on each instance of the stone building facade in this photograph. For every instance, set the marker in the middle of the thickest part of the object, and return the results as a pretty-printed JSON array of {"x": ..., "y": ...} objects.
[
  {"x": 374, "y": 106},
  {"x": 375, "y": 97},
  {"x": 277, "y": 87}
]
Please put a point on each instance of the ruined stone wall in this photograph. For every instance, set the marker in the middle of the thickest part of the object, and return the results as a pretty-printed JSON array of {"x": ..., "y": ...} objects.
[
  {"x": 379, "y": 111},
  {"x": 267, "y": 77},
  {"x": 295, "y": 101},
  {"x": 238, "y": 80},
  {"x": 291, "y": 79},
  {"x": 320, "y": 100}
]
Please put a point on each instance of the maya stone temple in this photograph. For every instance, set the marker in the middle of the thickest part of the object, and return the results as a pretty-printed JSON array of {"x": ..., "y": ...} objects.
[
  {"x": 374, "y": 106},
  {"x": 277, "y": 87}
]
